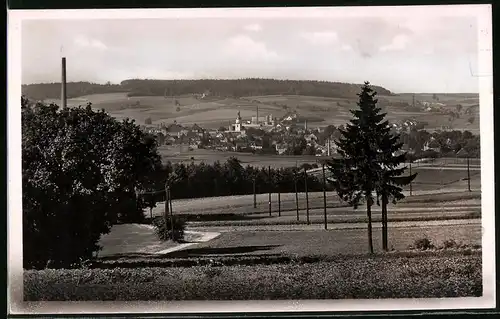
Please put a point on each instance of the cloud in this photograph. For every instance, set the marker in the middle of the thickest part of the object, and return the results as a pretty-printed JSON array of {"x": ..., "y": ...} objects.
[
  {"x": 320, "y": 38},
  {"x": 253, "y": 27},
  {"x": 244, "y": 47},
  {"x": 155, "y": 73},
  {"x": 399, "y": 42},
  {"x": 346, "y": 47},
  {"x": 85, "y": 42}
]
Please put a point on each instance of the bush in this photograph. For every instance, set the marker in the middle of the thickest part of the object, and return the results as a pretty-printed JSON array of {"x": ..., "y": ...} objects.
[
  {"x": 423, "y": 244},
  {"x": 164, "y": 230},
  {"x": 450, "y": 243},
  {"x": 148, "y": 121}
]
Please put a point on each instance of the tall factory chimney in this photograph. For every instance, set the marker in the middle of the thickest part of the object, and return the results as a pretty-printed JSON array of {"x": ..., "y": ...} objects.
[
  {"x": 63, "y": 83},
  {"x": 257, "y": 121}
]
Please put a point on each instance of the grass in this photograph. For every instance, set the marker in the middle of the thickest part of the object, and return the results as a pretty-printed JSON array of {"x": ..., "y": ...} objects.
[
  {"x": 176, "y": 154},
  {"x": 369, "y": 277},
  {"x": 331, "y": 242},
  {"x": 243, "y": 204},
  {"x": 222, "y": 111},
  {"x": 318, "y": 219}
]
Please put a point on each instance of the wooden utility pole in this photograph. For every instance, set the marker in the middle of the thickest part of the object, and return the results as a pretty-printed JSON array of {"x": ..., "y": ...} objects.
[
  {"x": 324, "y": 196},
  {"x": 170, "y": 201},
  {"x": 254, "y": 194},
  {"x": 270, "y": 188},
  {"x": 307, "y": 196},
  {"x": 468, "y": 173},
  {"x": 165, "y": 211},
  {"x": 295, "y": 177},
  {"x": 278, "y": 176},
  {"x": 410, "y": 180}
]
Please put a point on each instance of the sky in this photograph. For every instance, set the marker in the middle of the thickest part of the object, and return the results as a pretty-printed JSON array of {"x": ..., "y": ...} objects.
[{"x": 412, "y": 51}]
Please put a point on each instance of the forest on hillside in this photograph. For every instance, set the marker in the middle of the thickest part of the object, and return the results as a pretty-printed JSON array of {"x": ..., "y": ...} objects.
[
  {"x": 218, "y": 88},
  {"x": 44, "y": 91}
]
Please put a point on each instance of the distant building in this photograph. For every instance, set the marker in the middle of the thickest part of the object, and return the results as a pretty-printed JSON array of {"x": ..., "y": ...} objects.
[{"x": 236, "y": 127}]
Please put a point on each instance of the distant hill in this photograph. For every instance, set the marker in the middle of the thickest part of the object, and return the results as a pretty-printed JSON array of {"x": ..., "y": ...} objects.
[
  {"x": 219, "y": 88},
  {"x": 44, "y": 91}
]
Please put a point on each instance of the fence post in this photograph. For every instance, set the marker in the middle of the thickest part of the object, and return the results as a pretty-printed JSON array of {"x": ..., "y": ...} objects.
[
  {"x": 307, "y": 196},
  {"x": 324, "y": 195}
]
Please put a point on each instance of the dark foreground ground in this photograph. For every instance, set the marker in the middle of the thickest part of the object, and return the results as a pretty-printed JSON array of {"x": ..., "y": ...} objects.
[{"x": 430, "y": 276}]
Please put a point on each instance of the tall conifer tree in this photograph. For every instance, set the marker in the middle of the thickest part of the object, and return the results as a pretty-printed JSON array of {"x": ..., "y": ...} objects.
[{"x": 368, "y": 162}]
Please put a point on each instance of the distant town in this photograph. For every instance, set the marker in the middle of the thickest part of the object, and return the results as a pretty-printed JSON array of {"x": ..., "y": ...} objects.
[{"x": 290, "y": 135}]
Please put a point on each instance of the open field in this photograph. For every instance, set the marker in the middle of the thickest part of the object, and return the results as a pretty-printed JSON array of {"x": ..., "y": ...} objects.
[
  {"x": 243, "y": 204},
  {"x": 396, "y": 277},
  {"x": 181, "y": 154},
  {"x": 320, "y": 111},
  {"x": 331, "y": 242}
]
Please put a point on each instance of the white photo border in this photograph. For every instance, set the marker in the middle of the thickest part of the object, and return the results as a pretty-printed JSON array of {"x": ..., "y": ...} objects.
[{"x": 14, "y": 193}]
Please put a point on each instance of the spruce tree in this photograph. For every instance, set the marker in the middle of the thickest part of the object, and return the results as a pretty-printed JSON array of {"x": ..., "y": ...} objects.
[
  {"x": 391, "y": 178},
  {"x": 368, "y": 163}
]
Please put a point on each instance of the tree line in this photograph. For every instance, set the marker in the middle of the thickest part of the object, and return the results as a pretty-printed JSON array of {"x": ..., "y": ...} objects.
[
  {"x": 450, "y": 143},
  {"x": 226, "y": 179},
  {"x": 43, "y": 91},
  {"x": 212, "y": 87}
]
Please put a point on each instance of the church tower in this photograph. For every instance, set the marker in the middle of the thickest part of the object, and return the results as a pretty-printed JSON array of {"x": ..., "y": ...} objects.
[{"x": 237, "y": 123}]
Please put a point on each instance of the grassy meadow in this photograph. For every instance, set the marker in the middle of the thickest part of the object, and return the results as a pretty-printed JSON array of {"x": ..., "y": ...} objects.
[
  {"x": 343, "y": 278},
  {"x": 213, "y": 112}
]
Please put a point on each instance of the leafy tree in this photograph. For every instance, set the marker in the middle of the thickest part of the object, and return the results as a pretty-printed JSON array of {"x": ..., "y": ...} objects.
[
  {"x": 367, "y": 164},
  {"x": 309, "y": 150},
  {"x": 80, "y": 171}
]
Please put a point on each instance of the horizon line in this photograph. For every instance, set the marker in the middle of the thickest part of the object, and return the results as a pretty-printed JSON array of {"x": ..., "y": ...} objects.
[{"x": 243, "y": 78}]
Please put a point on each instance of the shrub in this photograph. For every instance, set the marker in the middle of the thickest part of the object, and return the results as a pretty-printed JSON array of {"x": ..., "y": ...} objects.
[
  {"x": 164, "y": 230},
  {"x": 148, "y": 121},
  {"x": 450, "y": 243},
  {"x": 423, "y": 244}
]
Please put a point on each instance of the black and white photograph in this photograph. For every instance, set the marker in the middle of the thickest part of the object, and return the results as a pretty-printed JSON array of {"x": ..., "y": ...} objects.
[{"x": 250, "y": 159}]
